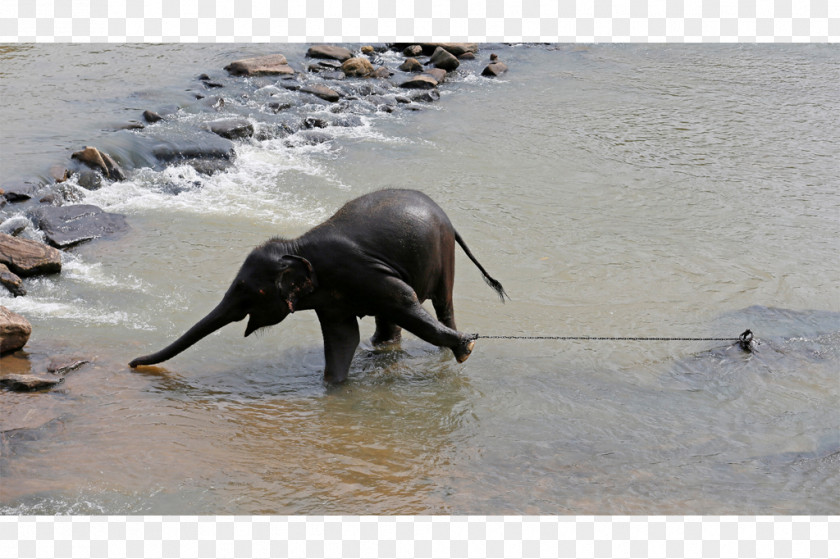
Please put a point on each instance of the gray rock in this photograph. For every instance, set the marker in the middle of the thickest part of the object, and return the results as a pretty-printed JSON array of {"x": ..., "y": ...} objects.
[
  {"x": 427, "y": 96},
  {"x": 11, "y": 281},
  {"x": 329, "y": 51},
  {"x": 20, "y": 191},
  {"x": 208, "y": 167},
  {"x": 232, "y": 129},
  {"x": 90, "y": 179},
  {"x": 100, "y": 161},
  {"x": 423, "y": 81},
  {"x": 28, "y": 258},
  {"x": 444, "y": 60},
  {"x": 65, "y": 226},
  {"x": 14, "y": 331},
  {"x": 322, "y": 92},
  {"x": 151, "y": 117},
  {"x": 272, "y": 64}
]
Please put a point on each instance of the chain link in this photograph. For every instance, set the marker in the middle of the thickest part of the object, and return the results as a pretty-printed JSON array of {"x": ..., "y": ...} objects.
[{"x": 745, "y": 339}]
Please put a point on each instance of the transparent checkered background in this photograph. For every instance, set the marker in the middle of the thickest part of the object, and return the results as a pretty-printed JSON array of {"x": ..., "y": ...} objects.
[
  {"x": 400, "y": 20},
  {"x": 357, "y": 21},
  {"x": 419, "y": 537}
]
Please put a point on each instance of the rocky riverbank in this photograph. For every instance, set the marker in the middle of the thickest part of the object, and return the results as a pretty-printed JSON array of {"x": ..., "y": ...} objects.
[{"x": 262, "y": 98}]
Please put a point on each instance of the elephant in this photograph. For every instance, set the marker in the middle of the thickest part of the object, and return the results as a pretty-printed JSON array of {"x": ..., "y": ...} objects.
[{"x": 382, "y": 254}]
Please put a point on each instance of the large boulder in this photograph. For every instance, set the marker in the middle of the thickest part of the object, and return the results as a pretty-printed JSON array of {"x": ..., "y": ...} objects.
[
  {"x": 322, "y": 91},
  {"x": 100, "y": 161},
  {"x": 65, "y": 226},
  {"x": 357, "y": 67},
  {"x": 270, "y": 65},
  {"x": 28, "y": 258},
  {"x": 329, "y": 51},
  {"x": 438, "y": 74},
  {"x": 456, "y": 49},
  {"x": 444, "y": 60},
  {"x": 14, "y": 331}
]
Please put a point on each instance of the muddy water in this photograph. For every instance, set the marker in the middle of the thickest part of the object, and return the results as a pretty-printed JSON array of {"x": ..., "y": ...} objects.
[{"x": 613, "y": 190}]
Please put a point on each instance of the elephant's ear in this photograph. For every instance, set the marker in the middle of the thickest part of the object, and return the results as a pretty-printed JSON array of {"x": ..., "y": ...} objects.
[{"x": 295, "y": 279}]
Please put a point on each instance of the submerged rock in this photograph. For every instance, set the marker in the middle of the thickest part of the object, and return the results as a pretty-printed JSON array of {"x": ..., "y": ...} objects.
[
  {"x": 444, "y": 60},
  {"x": 28, "y": 258},
  {"x": 456, "y": 49},
  {"x": 28, "y": 382},
  {"x": 272, "y": 64},
  {"x": 322, "y": 92},
  {"x": 14, "y": 225},
  {"x": 11, "y": 281},
  {"x": 14, "y": 331},
  {"x": 495, "y": 68},
  {"x": 329, "y": 51},
  {"x": 65, "y": 226},
  {"x": 65, "y": 364},
  {"x": 151, "y": 117},
  {"x": 19, "y": 191}
]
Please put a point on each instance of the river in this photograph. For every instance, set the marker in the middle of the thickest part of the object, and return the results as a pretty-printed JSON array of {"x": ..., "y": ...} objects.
[{"x": 615, "y": 190}]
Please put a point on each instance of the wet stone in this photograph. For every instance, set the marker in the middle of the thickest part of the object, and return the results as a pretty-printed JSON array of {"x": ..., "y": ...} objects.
[
  {"x": 232, "y": 129},
  {"x": 23, "y": 383},
  {"x": 11, "y": 281},
  {"x": 14, "y": 331},
  {"x": 28, "y": 258},
  {"x": 322, "y": 92},
  {"x": 329, "y": 51},
  {"x": 65, "y": 226},
  {"x": 273, "y": 64}
]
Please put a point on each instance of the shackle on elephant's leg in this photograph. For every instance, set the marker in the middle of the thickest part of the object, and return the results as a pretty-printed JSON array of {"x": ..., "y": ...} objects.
[{"x": 745, "y": 340}]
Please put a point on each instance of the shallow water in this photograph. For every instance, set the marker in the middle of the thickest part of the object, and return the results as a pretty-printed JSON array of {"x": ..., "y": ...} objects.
[{"x": 614, "y": 190}]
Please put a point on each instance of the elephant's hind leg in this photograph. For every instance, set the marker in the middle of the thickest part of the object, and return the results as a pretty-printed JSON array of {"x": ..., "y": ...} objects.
[{"x": 387, "y": 333}]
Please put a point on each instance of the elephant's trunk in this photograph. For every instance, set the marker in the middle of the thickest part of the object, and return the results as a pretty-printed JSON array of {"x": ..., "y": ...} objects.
[{"x": 218, "y": 317}]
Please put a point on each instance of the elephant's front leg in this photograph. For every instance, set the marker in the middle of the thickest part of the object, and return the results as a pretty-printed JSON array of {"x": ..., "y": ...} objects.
[{"x": 341, "y": 338}]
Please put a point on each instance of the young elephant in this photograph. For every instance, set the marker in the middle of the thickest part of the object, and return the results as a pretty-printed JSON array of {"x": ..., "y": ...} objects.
[{"x": 380, "y": 255}]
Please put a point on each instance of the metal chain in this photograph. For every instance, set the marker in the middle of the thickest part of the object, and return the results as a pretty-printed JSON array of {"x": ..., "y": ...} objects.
[{"x": 745, "y": 339}]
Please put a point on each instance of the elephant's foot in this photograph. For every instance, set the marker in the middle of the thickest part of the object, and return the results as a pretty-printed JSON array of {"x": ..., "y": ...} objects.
[
  {"x": 464, "y": 349},
  {"x": 383, "y": 343}
]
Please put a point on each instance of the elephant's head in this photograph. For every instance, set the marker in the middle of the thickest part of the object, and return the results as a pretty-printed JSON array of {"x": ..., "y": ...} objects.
[{"x": 267, "y": 289}]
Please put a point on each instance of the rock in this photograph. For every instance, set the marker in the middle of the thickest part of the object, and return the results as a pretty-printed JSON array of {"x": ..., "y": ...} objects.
[
  {"x": 322, "y": 91},
  {"x": 413, "y": 50},
  {"x": 90, "y": 179},
  {"x": 14, "y": 225},
  {"x": 313, "y": 122},
  {"x": 423, "y": 81},
  {"x": 494, "y": 69},
  {"x": 103, "y": 162},
  {"x": 329, "y": 51},
  {"x": 59, "y": 173},
  {"x": 322, "y": 65},
  {"x": 151, "y": 117},
  {"x": 213, "y": 85},
  {"x": 357, "y": 67},
  {"x": 28, "y": 258},
  {"x": 214, "y": 102},
  {"x": 337, "y": 75},
  {"x": 437, "y": 73},
  {"x": 382, "y": 72},
  {"x": 467, "y": 56},
  {"x": 65, "y": 226},
  {"x": 20, "y": 191},
  {"x": 444, "y": 60},
  {"x": 11, "y": 281},
  {"x": 65, "y": 364},
  {"x": 276, "y": 106},
  {"x": 131, "y": 125},
  {"x": 411, "y": 65},
  {"x": 272, "y": 64},
  {"x": 308, "y": 138},
  {"x": 456, "y": 49},
  {"x": 198, "y": 144},
  {"x": 367, "y": 49},
  {"x": 208, "y": 167},
  {"x": 14, "y": 331},
  {"x": 232, "y": 129},
  {"x": 427, "y": 96},
  {"x": 28, "y": 382}
]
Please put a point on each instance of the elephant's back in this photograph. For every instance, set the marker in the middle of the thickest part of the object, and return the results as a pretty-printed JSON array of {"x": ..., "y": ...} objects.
[{"x": 404, "y": 215}]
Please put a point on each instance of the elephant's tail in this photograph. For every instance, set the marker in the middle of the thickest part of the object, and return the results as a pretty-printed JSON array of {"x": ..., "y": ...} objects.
[{"x": 495, "y": 284}]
